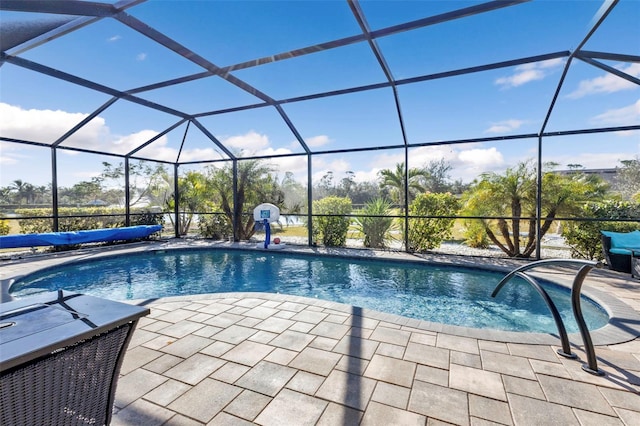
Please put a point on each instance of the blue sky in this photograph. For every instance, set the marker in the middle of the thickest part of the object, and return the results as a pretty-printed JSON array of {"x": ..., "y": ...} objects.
[{"x": 500, "y": 102}]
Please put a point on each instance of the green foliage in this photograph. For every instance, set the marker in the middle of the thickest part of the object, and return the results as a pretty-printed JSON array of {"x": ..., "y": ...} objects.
[
  {"x": 332, "y": 230},
  {"x": 375, "y": 222},
  {"x": 584, "y": 236},
  {"x": 475, "y": 235},
  {"x": 148, "y": 218},
  {"x": 393, "y": 181},
  {"x": 194, "y": 192},
  {"x": 85, "y": 218},
  {"x": 215, "y": 226},
  {"x": 4, "y": 227},
  {"x": 511, "y": 196},
  {"x": 255, "y": 185},
  {"x": 428, "y": 232}
]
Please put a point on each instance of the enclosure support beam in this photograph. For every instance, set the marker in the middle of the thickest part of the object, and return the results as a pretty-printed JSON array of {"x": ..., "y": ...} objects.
[
  {"x": 127, "y": 194},
  {"x": 309, "y": 200},
  {"x": 176, "y": 207},
  {"x": 54, "y": 188}
]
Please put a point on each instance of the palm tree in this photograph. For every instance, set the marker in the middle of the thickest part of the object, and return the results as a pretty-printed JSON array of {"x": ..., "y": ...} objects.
[
  {"x": 256, "y": 185},
  {"x": 512, "y": 196},
  {"x": 394, "y": 181}
]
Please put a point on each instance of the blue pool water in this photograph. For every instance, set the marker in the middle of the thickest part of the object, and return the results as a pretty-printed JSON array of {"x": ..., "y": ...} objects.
[{"x": 443, "y": 294}]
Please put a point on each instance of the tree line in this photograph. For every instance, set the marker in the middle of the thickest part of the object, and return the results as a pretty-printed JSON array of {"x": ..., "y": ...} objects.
[{"x": 496, "y": 208}]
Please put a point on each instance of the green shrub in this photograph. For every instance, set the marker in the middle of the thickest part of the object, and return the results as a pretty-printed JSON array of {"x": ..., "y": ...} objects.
[
  {"x": 332, "y": 230},
  {"x": 428, "y": 232},
  {"x": 4, "y": 227},
  {"x": 215, "y": 226},
  {"x": 475, "y": 234},
  {"x": 83, "y": 218},
  {"x": 148, "y": 218},
  {"x": 374, "y": 227},
  {"x": 584, "y": 236}
]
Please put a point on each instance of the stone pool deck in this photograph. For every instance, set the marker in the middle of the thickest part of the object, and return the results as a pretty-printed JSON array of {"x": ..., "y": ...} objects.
[{"x": 257, "y": 358}]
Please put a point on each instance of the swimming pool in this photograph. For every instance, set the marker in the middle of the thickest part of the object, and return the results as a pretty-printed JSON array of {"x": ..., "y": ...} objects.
[{"x": 442, "y": 294}]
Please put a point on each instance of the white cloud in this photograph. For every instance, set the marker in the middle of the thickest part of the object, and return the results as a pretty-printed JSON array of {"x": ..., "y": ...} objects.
[
  {"x": 527, "y": 73},
  {"x": 36, "y": 125},
  {"x": 607, "y": 83},
  {"x": 114, "y": 38},
  {"x": 251, "y": 142},
  {"x": 141, "y": 56},
  {"x": 316, "y": 141},
  {"x": 620, "y": 116},
  {"x": 504, "y": 126}
]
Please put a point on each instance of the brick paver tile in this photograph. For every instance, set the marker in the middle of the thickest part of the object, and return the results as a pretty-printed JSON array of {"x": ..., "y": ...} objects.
[
  {"x": 622, "y": 399},
  {"x": 391, "y": 370},
  {"x": 356, "y": 346},
  {"x": 304, "y": 382},
  {"x": 383, "y": 415},
  {"x": 336, "y": 414},
  {"x": 479, "y": 382},
  {"x": 347, "y": 389},
  {"x": 137, "y": 357},
  {"x": 247, "y": 405},
  {"x": 195, "y": 368},
  {"x": 167, "y": 392},
  {"x": 135, "y": 384},
  {"x": 531, "y": 411},
  {"x": 181, "y": 328},
  {"x": 457, "y": 343},
  {"x": 628, "y": 417},
  {"x": 493, "y": 346},
  {"x": 309, "y": 316},
  {"x": 142, "y": 412},
  {"x": 186, "y": 346},
  {"x": 248, "y": 353},
  {"x": 353, "y": 365},
  {"x": 292, "y": 340},
  {"x": 315, "y": 361},
  {"x": 323, "y": 343},
  {"x": 229, "y": 372},
  {"x": 266, "y": 378},
  {"x": 465, "y": 358},
  {"x": 549, "y": 368},
  {"x": 217, "y": 348},
  {"x": 274, "y": 325},
  {"x": 281, "y": 356},
  {"x": 489, "y": 409},
  {"x": 507, "y": 364},
  {"x": 393, "y": 395},
  {"x": 163, "y": 363},
  {"x": 539, "y": 352},
  {"x": 524, "y": 387},
  {"x": 424, "y": 338},
  {"x": 330, "y": 329},
  {"x": 387, "y": 349},
  {"x": 205, "y": 399},
  {"x": 234, "y": 334},
  {"x": 389, "y": 335},
  {"x": 290, "y": 408},
  {"x": 449, "y": 405},
  {"x": 427, "y": 355},
  {"x": 591, "y": 418},
  {"x": 574, "y": 394},
  {"x": 226, "y": 419},
  {"x": 261, "y": 312},
  {"x": 436, "y": 376}
]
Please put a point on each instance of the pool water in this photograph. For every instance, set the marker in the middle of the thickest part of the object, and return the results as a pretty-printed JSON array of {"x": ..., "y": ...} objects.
[{"x": 442, "y": 294}]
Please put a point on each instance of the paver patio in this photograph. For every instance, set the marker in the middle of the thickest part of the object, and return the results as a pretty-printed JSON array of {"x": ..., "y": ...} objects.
[{"x": 270, "y": 359}]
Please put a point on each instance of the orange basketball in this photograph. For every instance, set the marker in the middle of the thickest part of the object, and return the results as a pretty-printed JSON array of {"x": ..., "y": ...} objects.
[{"x": 276, "y": 240}]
